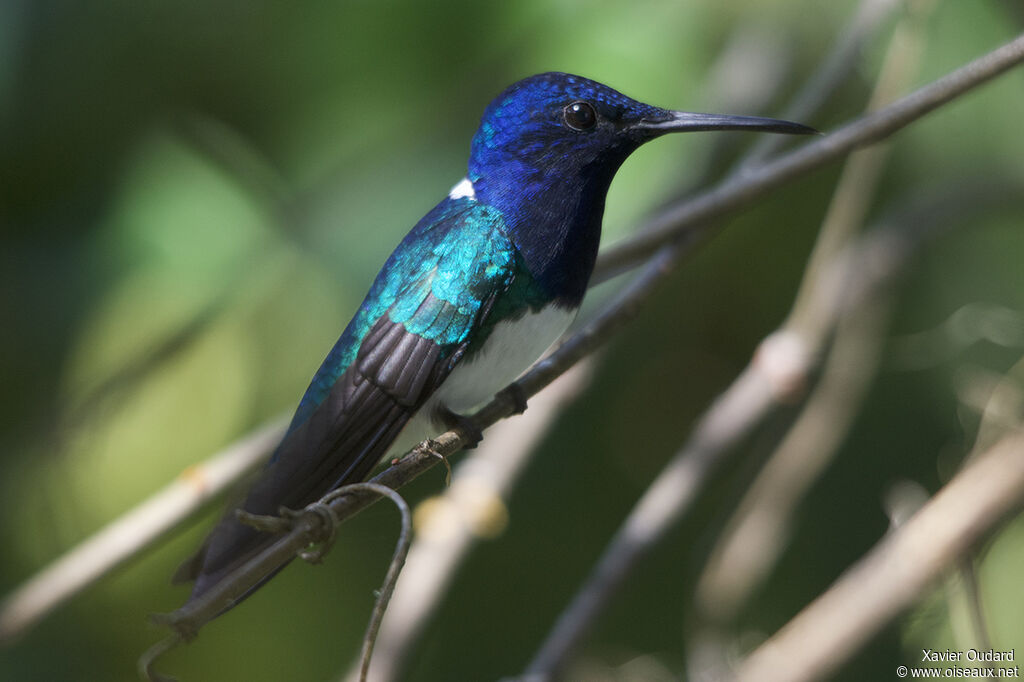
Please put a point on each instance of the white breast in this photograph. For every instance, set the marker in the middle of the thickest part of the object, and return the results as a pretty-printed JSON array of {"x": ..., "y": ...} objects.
[{"x": 510, "y": 349}]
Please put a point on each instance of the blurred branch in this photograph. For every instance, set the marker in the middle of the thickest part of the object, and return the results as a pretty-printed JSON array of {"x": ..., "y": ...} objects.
[
  {"x": 669, "y": 241},
  {"x": 134, "y": 532},
  {"x": 684, "y": 224},
  {"x": 756, "y": 536},
  {"x": 967, "y": 325},
  {"x": 896, "y": 573},
  {"x": 836, "y": 68},
  {"x": 1003, "y": 413},
  {"x": 749, "y": 399},
  {"x": 130, "y": 375},
  {"x": 1004, "y": 409},
  {"x": 862, "y": 171},
  {"x": 757, "y": 533},
  {"x": 778, "y": 373},
  {"x": 241, "y": 161}
]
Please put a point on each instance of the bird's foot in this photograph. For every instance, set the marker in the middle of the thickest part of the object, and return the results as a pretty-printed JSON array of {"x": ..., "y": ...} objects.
[
  {"x": 516, "y": 394},
  {"x": 432, "y": 448},
  {"x": 429, "y": 446},
  {"x": 466, "y": 426}
]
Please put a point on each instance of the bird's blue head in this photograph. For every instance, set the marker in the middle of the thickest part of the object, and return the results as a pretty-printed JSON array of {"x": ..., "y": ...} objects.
[
  {"x": 545, "y": 154},
  {"x": 554, "y": 128}
]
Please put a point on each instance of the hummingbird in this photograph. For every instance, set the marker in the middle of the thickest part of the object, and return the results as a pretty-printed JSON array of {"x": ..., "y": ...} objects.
[{"x": 474, "y": 294}]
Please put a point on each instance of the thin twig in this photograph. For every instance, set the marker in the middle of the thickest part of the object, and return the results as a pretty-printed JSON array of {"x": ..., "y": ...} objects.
[
  {"x": 896, "y": 572},
  {"x": 150, "y": 657},
  {"x": 394, "y": 569}
]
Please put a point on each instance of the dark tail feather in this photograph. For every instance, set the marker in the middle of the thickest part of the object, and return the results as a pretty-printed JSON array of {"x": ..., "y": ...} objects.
[
  {"x": 208, "y": 570},
  {"x": 232, "y": 543}
]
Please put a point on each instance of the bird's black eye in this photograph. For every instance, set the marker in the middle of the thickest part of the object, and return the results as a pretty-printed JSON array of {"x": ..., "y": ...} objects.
[{"x": 580, "y": 115}]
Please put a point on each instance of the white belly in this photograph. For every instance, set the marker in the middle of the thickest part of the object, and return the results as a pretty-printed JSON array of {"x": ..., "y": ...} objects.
[{"x": 510, "y": 349}]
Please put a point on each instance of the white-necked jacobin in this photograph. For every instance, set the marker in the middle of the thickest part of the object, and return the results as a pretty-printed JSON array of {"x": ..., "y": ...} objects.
[{"x": 475, "y": 293}]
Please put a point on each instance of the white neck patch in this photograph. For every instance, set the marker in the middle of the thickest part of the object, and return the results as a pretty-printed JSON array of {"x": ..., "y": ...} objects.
[{"x": 463, "y": 189}]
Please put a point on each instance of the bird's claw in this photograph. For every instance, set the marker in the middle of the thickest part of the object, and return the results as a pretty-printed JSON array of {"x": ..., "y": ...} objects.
[
  {"x": 432, "y": 448},
  {"x": 517, "y": 395}
]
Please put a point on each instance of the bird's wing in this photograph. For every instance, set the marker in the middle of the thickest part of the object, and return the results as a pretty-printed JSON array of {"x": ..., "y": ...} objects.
[{"x": 412, "y": 329}]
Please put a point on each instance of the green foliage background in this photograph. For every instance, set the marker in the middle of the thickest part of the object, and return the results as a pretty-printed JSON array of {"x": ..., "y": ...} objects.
[{"x": 195, "y": 196}]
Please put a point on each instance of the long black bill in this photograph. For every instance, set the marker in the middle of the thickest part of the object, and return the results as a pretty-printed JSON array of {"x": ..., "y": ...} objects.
[{"x": 685, "y": 121}]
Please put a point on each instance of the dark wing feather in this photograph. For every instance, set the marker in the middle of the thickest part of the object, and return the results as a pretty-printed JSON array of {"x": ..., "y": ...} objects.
[
  {"x": 394, "y": 372},
  {"x": 341, "y": 441}
]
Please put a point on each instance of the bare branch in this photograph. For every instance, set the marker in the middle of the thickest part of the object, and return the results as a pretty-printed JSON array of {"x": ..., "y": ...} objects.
[{"x": 896, "y": 573}]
